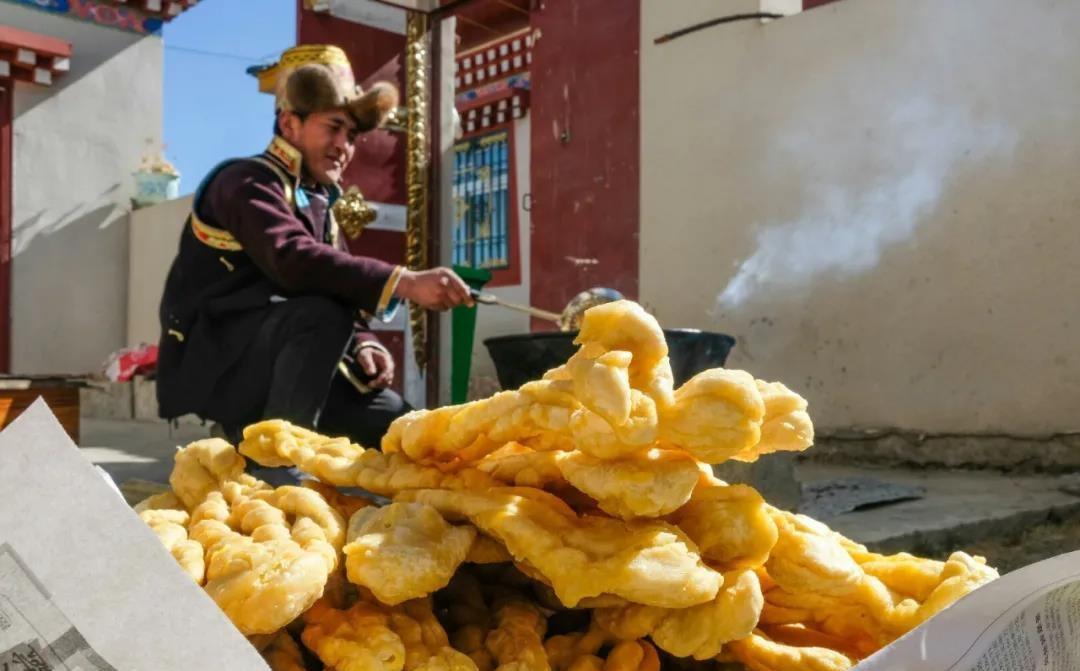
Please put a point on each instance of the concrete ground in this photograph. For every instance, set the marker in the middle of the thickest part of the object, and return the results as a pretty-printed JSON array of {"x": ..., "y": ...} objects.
[
  {"x": 131, "y": 449},
  {"x": 1012, "y": 520}
]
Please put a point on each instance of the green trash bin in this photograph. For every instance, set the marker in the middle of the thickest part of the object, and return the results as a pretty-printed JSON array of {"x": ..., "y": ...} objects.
[{"x": 463, "y": 334}]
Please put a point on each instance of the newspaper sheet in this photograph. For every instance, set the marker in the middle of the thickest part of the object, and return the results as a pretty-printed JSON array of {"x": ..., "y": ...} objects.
[{"x": 84, "y": 584}]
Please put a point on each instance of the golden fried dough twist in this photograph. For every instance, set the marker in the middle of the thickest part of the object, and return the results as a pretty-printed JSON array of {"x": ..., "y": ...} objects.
[
  {"x": 262, "y": 571},
  {"x": 649, "y": 483},
  {"x": 171, "y": 528},
  {"x": 644, "y": 561},
  {"x": 731, "y": 525},
  {"x": 404, "y": 551},
  {"x": 343, "y": 503},
  {"x": 357, "y": 639},
  {"x": 370, "y": 636},
  {"x": 819, "y": 581},
  {"x": 786, "y": 427},
  {"x": 517, "y": 640},
  {"x": 699, "y": 631},
  {"x": 283, "y": 654},
  {"x": 758, "y": 653},
  {"x": 338, "y": 462},
  {"x": 205, "y": 466}
]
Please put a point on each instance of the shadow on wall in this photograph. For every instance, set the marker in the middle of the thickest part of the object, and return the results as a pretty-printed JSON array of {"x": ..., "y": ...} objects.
[
  {"x": 24, "y": 232},
  {"x": 58, "y": 288},
  {"x": 76, "y": 144}
]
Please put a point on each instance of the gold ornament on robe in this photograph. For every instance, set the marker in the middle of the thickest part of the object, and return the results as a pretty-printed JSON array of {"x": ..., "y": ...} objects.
[{"x": 353, "y": 213}]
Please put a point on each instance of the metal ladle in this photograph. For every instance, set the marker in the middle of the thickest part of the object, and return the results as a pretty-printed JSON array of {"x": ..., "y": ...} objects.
[{"x": 569, "y": 319}]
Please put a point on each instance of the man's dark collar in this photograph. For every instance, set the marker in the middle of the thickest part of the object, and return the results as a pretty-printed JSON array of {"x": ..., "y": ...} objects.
[
  {"x": 286, "y": 155},
  {"x": 292, "y": 161}
]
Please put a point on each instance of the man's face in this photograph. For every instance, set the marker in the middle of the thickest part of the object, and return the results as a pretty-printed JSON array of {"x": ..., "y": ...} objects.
[{"x": 327, "y": 141}]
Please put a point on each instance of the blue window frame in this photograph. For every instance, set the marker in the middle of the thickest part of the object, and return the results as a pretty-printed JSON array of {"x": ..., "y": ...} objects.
[{"x": 482, "y": 201}]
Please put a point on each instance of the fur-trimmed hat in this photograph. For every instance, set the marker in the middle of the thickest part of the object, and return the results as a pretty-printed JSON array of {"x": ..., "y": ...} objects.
[{"x": 318, "y": 78}]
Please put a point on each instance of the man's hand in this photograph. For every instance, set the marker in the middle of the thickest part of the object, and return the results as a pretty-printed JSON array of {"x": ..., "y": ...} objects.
[
  {"x": 435, "y": 289},
  {"x": 377, "y": 363}
]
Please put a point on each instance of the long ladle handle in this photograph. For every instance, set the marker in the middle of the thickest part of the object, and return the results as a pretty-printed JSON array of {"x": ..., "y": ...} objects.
[{"x": 491, "y": 299}]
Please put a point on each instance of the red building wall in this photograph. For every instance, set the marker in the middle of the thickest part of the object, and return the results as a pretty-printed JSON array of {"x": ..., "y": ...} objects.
[{"x": 585, "y": 150}]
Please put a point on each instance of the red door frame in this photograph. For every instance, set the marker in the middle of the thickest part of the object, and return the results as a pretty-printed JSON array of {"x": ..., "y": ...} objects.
[{"x": 7, "y": 93}]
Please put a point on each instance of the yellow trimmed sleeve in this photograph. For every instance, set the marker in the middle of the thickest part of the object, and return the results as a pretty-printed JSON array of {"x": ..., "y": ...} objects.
[{"x": 388, "y": 302}]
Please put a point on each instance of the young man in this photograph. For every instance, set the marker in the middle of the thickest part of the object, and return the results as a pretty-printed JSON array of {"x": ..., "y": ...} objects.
[{"x": 263, "y": 304}]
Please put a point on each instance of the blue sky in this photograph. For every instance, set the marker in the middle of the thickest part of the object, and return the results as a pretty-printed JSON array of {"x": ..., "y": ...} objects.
[{"x": 213, "y": 109}]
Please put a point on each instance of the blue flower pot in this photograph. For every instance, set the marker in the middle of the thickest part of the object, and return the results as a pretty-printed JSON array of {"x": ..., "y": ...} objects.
[{"x": 155, "y": 187}]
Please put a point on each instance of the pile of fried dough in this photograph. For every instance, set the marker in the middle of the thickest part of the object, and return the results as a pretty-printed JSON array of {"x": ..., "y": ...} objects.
[{"x": 572, "y": 524}]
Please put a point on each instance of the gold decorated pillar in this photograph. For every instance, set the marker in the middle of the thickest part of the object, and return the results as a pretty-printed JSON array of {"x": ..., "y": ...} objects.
[{"x": 417, "y": 72}]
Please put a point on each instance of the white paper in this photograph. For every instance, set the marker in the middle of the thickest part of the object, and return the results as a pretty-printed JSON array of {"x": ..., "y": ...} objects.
[
  {"x": 84, "y": 584},
  {"x": 1027, "y": 620}
]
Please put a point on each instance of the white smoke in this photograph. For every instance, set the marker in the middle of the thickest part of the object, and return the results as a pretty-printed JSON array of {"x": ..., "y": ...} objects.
[{"x": 849, "y": 223}]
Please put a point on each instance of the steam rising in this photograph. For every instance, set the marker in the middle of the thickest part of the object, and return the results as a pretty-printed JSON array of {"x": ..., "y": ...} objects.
[{"x": 913, "y": 154}]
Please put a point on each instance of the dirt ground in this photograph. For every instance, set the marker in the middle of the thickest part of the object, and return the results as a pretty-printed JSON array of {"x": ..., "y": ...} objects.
[{"x": 1038, "y": 543}]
